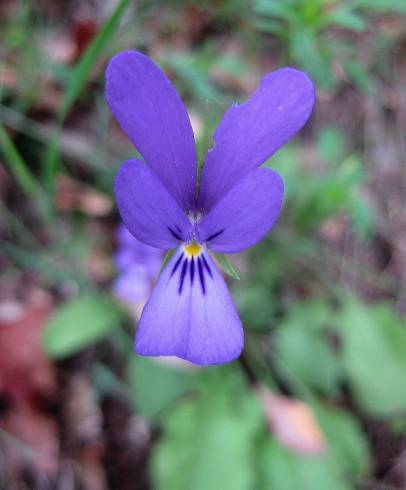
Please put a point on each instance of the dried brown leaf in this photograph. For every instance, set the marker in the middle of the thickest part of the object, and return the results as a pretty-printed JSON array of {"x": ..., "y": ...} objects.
[
  {"x": 292, "y": 422},
  {"x": 24, "y": 369}
]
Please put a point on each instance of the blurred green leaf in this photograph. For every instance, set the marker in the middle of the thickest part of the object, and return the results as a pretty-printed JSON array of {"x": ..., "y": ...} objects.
[
  {"x": 330, "y": 144},
  {"x": 193, "y": 70},
  {"x": 345, "y": 438},
  {"x": 226, "y": 266},
  {"x": 344, "y": 17},
  {"x": 286, "y": 163},
  {"x": 272, "y": 26},
  {"x": 156, "y": 384},
  {"x": 276, "y": 8},
  {"x": 79, "y": 323},
  {"x": 106, "y": 381},
  {"x": 16, "y": 163},
  {"x": 283, "y": 470},
  {"x": 374, "y": 357},
  {"x": 301, "y": 343},
  {"x": 383, "y": 6},
  {"x": 255, "y": 303},
  {"x": 208, "y": 441},
  {"x": 314, "y": 57},
  {"x": 362, "y": 217},
  {"x": 358, "y": 75}
]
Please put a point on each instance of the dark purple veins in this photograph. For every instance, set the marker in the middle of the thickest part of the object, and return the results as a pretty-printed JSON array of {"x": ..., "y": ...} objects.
[
  {"x": 192, "y": 270},
  {"x": 174, "y": 234},
  {"x": 214, "y": 235},
  {"x": 176, "y": 265},
  {"x": 182, "y": 275},
  {"x": 188, "y": 266},
  {"x": 206, "y": 265},
  {"x": 201, "y": 275}
]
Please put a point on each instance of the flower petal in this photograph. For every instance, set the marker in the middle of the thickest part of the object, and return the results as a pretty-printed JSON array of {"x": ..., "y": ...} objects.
[
  {"x": 250, "y": 133},
  {"x": 148, "y": 210},
  {"x": 190, "y": 314},
  {"x": 133, "y": 285},
  {"x": 151, "y": 113},
  {"x": 131, "y": 251},
  {"x": 245, "y": 214}
]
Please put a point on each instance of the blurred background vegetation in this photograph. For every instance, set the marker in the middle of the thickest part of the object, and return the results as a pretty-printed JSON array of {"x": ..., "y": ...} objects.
[{"x": 318, "y": 399}]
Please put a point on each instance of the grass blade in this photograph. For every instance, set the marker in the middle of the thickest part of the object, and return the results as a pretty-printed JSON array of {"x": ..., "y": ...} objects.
[
  {"x": 79, "y": 78},
  {"x": 84, "y": 66},
  {"x": 17, "y": 164}
]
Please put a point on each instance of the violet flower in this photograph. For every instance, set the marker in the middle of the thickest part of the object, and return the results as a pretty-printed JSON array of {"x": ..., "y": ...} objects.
[
  {"x": 190, "y": 313},
  {"x": 137, "y": 265}
]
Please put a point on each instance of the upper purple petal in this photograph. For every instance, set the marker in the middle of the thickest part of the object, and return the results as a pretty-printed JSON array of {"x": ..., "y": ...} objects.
[
  {"x": 250, "y": 133},
  {"x": 245, "y": 214},
  {"x": 190, "y": 314},
  {"x": 151, "y": 113},
  {"x": 148, "y": 210}
]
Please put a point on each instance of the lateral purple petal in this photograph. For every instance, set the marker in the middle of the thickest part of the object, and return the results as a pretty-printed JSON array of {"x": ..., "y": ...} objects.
[
  {"x": 245, "y": 214},
  {"x": 148, "y": 210},
  {"x": 151, "y": 113},
  {"x": 190, "y": 314},
  {"x": 250, "y": 133}
]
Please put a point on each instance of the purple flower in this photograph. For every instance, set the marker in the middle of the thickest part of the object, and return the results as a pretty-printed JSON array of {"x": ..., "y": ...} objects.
[
  {"x": 190, "y": 313},
  {"x": 137, "y": 265}
]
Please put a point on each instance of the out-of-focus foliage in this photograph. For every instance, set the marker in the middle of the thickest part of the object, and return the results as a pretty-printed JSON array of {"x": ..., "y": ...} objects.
[
  {"x": 374, "y": 357},
  {"x": 169, "y": 382},
  {"x": 224, "y": 415},
  {"x": 307, "y": 31},
  {"x": 321, "y": 297},
  {"x": 79, "y": 323}
]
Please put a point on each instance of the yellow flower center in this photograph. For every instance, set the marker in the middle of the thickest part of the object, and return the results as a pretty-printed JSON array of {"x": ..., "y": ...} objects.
[{"x": 193, "y": 249}]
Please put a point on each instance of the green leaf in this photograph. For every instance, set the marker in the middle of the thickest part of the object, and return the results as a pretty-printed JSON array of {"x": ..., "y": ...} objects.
[
  {"x": 79, "y": 323},
  {"x": 16, "y": 163},
  {"x": 315, "y": 56},
  {"x": 226, "y": 266},
  {"x": 208, "y": 440},
  {"x": 276, "y": 9},
  {"x": 271, "y": 25},
  {"x": 374, "y": 357},
  {"x": 283, "y": 470},
  {"x": 362, "y": 217},
  {"x": 156, "y": 385},
  {"x": 286, "y": 163},
  {"x": 382, "y": 6},
  {"x": 22, "y": 174},
  {"x": 330, "y": 144},
  {"x": 167, "y": 258},
  {"x": 346, "y": 439},
  {"x": 301, "y": 343},
  {"x": 358, "y": 75},
  {"x": 344, "y": 17},
  {"x": 255, "y": 303}
]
